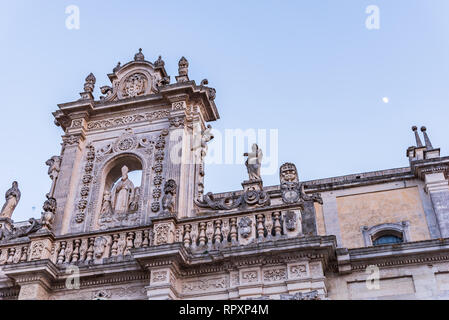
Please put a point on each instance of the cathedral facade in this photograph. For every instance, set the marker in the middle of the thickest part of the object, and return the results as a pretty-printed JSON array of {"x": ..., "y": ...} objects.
[{"x": 102, "y": 235}]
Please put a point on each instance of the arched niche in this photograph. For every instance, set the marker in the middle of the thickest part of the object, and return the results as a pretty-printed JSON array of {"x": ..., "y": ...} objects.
[
  {"x": 114, "y": 169},
  {"x": 110, "y": 176}
]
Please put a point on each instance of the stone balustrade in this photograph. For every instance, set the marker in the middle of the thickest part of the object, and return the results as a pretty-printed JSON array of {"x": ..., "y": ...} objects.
[
  {"x": 228, "y": 229},
  {"x": 212, "y": 231}
]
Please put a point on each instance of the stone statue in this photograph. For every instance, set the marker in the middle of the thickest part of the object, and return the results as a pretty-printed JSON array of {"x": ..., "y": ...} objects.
[
  {"x": 168, "y": 200},
  {"x": 253, "y": 163},
  {"x": 106, "y": 206},
  {"x": 134, "y": 205},
  {"x": 200, "y": 143},
  {"x": 12, "y": 197},
  {"x": 54, "y": 166},
  {"x": 48, "y": 216},
  {"x": 122, "y": 193},
  {"x": 206, "y": 136}
]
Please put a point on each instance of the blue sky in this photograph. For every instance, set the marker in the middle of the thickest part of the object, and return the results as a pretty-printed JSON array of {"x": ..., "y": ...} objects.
[{"x": 310, "y": 69}]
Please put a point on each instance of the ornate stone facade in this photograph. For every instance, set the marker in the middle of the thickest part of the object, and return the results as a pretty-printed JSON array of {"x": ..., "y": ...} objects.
[{"x": 373, "y": 235}]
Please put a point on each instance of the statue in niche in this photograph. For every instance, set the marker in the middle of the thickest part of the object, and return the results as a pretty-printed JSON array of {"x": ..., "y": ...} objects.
[
  {"x": 106, "y": 207},
  {"x": 12, "y": 197},
  {"x": 122, "y": 193},
  {"x": 254, "y": 162},
  {"x": 134, "y": 205}
]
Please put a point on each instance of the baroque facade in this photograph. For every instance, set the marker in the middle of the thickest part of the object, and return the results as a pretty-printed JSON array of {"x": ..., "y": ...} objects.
[{"x": 375, "y": 235}]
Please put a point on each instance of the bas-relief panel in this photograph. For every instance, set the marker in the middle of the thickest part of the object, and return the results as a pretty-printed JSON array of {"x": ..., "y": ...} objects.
[
  {"x": 133, "y": 291},
  {"x": 370, "y": 209}
]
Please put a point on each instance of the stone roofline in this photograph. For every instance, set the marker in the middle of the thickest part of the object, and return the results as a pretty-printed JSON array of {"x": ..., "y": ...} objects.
[
  {"x": 167, "y": 94},
  {"x": 341, "y": 182}
]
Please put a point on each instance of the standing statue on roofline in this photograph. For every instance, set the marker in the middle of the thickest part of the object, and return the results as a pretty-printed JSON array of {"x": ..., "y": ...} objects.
[
  {"x": 12, "y": 197},
  {"x": 254, "y": 162}
]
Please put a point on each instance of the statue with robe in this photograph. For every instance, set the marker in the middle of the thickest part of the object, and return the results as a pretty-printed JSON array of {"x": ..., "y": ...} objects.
[
  {"x": 12, "y": 197},
  {"x": 134, "y": 205},
  {"x": 54, "y": 166},
  {"x": 106, "y": 206},
  {"x": 200, "y": 142},
  {"x": 123, "y": 193},
  {"x": 254, "y": 162}
]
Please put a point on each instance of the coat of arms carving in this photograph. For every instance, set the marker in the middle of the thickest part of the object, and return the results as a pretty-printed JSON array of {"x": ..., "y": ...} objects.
[{"x": 135, "y": 85}]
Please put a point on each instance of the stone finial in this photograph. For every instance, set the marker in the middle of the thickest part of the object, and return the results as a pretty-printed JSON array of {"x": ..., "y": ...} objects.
[
  {"x": 89, "y": 85},
  {"x": 183, "y": 67},
  {"x": 139, "y": 56},
  {"x": 426, "y": 138},
  {"x": 183, "y": 70},
  {"x": 204, "y": 82},
  {"x": 417, "y": 138},
  {"x": 117, "y": 67},
  {"x": 159, "y": 63}
]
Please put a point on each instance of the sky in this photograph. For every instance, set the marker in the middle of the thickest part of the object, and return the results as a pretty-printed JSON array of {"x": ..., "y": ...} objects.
[{"x": 310, "y": 70}]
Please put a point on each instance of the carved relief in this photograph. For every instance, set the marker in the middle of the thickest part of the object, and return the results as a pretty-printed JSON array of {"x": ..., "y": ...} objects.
[
  {"x": 134, "y": 85},
  {"x": 100, "y": 247},
  {"x": 159, "y": 276},
  {"x": 128, "y": 119},
  {"x": 204, "y": 284},
  {"x": 298, "y": 271},
  {"x": 272, "y": 275},
  {"x": 126, "y": 142},
  {"x": 36, "y": 250},
  {"x": 101, "y": 295},
  {"x": 290, "y": 219},
  {"x": 250, "y": 276},
  {"x": 162, "y": 233},
  {"x": 245, "y": 225},
  {"x": 291, "y": 190},
  {"x": 85, "y": 188},
  {"x": 158, "y": 167},
  {"x": 70, "y": 140}
]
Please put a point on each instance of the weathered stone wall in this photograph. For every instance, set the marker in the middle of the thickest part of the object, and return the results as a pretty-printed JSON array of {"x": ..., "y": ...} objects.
[
  {"x": 423, "y": 281},
  {"x": 370, "y": 209}
]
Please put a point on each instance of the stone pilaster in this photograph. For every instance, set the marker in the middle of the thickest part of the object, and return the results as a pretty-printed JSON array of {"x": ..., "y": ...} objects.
[
  {"x": 437, "y": 186},
  {"x": 162, "y": 284},
  {"x": 69, "y": 175},
  {"x": 180, "y": 161},
  {"x": 34, "y": 278}
]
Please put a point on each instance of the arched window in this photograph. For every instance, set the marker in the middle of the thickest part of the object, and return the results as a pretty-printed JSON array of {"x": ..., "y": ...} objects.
[
  {"x": 386, "y": 233},
  {"x": 387, "y": 237}
]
